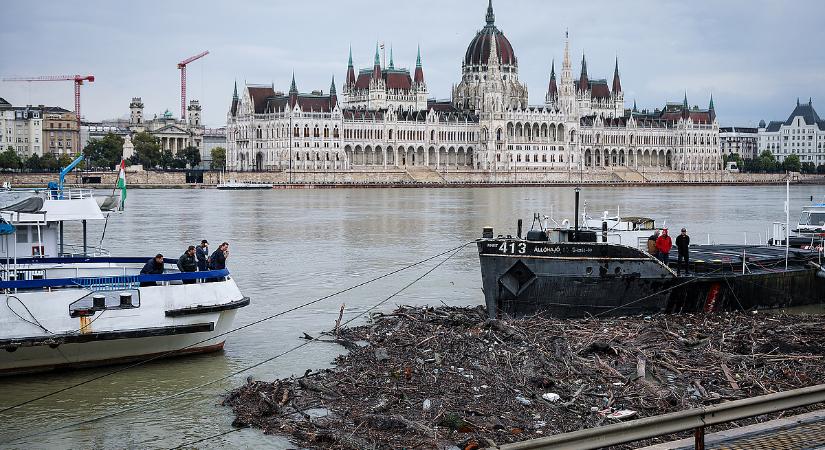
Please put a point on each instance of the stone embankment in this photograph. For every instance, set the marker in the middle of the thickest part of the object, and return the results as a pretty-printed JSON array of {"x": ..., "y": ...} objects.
[{"x": 411, "y": 177}]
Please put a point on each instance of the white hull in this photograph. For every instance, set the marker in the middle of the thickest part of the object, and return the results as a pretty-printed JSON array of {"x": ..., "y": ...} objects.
[{"x": 114, "y": 335}]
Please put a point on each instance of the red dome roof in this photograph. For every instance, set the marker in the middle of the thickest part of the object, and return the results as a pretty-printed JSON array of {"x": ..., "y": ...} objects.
[{"x": 478, "y": 52}]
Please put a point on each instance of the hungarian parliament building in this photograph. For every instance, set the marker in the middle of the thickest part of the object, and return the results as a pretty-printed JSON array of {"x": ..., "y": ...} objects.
[{"x": 385, "y": 118}]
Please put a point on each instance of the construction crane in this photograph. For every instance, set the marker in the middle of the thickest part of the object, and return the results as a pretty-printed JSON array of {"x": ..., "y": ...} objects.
[
  {"x": 182, "y": 67},
  {"x": 78, "y": 81}
]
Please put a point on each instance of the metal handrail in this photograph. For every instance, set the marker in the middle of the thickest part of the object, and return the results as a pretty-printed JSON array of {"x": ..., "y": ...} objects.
[{"x": 690, "y": 419}]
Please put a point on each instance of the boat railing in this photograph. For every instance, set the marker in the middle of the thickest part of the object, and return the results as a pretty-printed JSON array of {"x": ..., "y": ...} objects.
[
  {"x": 98, "y": 274},
  {"x": 78, "y": 251},
  {"x": 70, "y": 193}
]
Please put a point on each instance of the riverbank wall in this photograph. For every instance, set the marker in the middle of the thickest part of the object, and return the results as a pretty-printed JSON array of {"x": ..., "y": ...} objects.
[{"x": 413, "y": 177}]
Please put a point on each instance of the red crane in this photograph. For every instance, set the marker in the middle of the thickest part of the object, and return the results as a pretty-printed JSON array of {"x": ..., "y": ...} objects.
[
  {"x": 182, "y": 67},
  {"x": 78, "y": 81}
]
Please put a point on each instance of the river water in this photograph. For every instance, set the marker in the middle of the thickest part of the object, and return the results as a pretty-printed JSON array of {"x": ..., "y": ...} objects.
[{"x": 291, "y": 246}]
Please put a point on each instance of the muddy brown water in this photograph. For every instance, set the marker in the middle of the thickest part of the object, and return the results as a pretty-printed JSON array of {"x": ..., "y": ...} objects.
[{"x": 291, "y": 246}]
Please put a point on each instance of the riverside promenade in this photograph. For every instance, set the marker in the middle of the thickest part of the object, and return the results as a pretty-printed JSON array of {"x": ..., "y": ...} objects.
[{"x": 407, "y": 177}]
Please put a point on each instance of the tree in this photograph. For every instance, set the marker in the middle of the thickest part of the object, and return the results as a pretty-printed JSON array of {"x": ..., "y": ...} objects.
[
  {"x": 104, "y": 153},
  {"x": 147, "y": 150},
  {"x": 33, "y": 163},
  {"x": 820, "y": 169},
  {"x": 792, "y": 163},
  {"x": 766, "y": 162},
  {"x": 64, "y": 160},
  {"x": 166, "y": 159},
  {"x": 808, "y": 167},
  {"x": 48, "y": 162},
  {"x": 733, "y": 157},
  {"x": 218, "y": 158},
  {"x": 191, "y": 156},
  {"x": 9, "y": 159}
]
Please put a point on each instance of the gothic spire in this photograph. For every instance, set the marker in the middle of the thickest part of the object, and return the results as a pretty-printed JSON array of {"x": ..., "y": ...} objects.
[
  {"x": 634, "y": 106},
  {"x": 350, "y": 71},
  {"x": 376, "y": 68},
  {"x": 617, "y": 84},
  {"x": 685, "y": 102},
  {"x": 333, "y": 95},
  {"x": 584, "y": 83},
  {"x": 553, "y": 89},
  {"x": 419, "y": 71},
  {"x": 332, "y": 87},
  {"x": 235, "y": 94},
  {"x": 710, "y": 106},
  {"x": 392, "y": 64},
  {"x": 293, "y": 88},
  {"x": 491, "y": 18}
]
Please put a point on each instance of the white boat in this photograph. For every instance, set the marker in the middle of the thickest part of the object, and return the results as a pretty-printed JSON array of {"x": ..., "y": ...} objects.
[
  {"x": 66, "y": 306},
  {"x": 241, "y": 185}
]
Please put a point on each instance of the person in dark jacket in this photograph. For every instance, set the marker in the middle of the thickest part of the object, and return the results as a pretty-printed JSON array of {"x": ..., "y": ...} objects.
[
  {"x": 202, "y": 253},
  {"x": 683, "y": 246},
  {"x": 152, "y": 267},
  {"x": 218, "y": 259},
  {"x": 187, "y": 263}
]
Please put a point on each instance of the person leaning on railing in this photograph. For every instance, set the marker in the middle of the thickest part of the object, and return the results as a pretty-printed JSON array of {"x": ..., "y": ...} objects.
[
  {"x": 152, "y": 267},
  {"x": 187, "y": 263}
]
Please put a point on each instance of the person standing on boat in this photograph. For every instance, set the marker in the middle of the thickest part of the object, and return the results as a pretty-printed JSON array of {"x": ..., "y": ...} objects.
[
  {"x": 187, "y": 263},
  {"x": 202, "y": 253},
  {"x": 218, "y": 259},
  {"x": 152, "y": 267},
  {"x": 663, "y": 246},
  {"x": 683, "y": 245}
]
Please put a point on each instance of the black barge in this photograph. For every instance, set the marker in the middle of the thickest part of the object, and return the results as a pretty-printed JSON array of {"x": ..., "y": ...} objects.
[{"x": 579, "y": 279}]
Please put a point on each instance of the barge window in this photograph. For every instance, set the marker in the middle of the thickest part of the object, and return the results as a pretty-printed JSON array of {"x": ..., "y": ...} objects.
[
  {"x": 23, "y": 234},
  {"x": 816, "y": 218}
]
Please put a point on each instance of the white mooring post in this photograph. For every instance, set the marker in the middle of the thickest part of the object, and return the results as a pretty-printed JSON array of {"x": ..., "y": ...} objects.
[{"x": 787, "y": 218}]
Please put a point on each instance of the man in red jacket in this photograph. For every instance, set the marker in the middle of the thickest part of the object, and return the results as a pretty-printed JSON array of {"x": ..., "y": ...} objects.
[{"x": 663, "y": 246}]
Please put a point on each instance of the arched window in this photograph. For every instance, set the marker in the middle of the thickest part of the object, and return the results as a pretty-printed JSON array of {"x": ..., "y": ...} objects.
[
  {"x": 306, "y": 131},
  {"x": 335, "y": 131},
  {"x": 316, "y": 132},
  {"x": 296, "y": 133}
]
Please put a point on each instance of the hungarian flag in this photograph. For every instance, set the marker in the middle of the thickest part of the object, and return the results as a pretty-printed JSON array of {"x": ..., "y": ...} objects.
[{"x": 121, "y": 183}]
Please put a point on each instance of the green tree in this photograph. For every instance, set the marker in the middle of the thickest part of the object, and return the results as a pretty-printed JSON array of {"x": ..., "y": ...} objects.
[
  {"x": 792, "y": 163},
  {"x": 9, "y": 159},
  {"x": 820, "y": 169},
  {"x": 733, "y": 157},
  {"x": 766, "y": 162},
  {"x": 147, "y": 150},
  {"x": 191, "y": 156},
  {"x": 166, "y": 159},
  {"x": 218, "y": 158},
  {"x": 808, "y": 167},
  {"x": 64, "y": 160},
  {"x": 32, "y": 164},
  {"x": 104, "y": 153},
  {"x": 48, "y": 162}
]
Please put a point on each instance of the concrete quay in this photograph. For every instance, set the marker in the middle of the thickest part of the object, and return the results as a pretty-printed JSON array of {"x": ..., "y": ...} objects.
[{"x": 410, "y": 177}]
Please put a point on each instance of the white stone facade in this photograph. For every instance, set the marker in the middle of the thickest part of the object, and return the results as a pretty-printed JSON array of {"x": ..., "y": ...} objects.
[
  {"x": 385, "y": 120},
  {"x": 801, "y": 134}
]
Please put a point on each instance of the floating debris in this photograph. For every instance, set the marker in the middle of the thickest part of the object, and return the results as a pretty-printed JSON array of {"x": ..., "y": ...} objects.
[{"x": 452, "y": 378}]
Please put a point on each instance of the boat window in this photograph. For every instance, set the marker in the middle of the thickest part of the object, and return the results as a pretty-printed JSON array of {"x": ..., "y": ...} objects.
[
  {"x": 23, "y": 234},
  {"x": 817, "y": 218},
  {"x": 803, "y": 219}
]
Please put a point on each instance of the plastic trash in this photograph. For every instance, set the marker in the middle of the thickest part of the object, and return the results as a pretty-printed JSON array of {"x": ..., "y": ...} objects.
[
  {"x": 427, "y": 405},
  {"x": 551, "y": 397},
  {"x": 523, "y": 400}
]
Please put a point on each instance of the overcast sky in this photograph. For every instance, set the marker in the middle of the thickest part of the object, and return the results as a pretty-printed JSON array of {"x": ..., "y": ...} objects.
[{"x": 755, "y": 57}]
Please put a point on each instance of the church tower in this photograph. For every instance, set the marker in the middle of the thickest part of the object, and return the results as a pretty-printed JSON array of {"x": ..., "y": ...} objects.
[{"x": 136, "y": 113}]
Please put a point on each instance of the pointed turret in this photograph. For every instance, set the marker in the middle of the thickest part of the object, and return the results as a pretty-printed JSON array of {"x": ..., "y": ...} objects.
[
  {"x": 634, "y": 106},
  {"x": 233, "y": 109},
  {"x": 392, "y": 64},
  {"x": 584, "y": 83},
  {"x": 333, "y": 94},
  {"x": 491, "y": 18},
  {"x": 350, "y": 71},
  {"x": 685, "y": 102},
  {"x": 293, "y": 92},
  {"x": 685, "y": 107},
  {"x": 617, "y": 84},
  {"x": 552, "y": 89},
  {"x": 235, "y": 94},
  {"x": 376, "y": 68},
  {"x": 711, "y": 108},
  {"x": 419, "y": 71}
]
